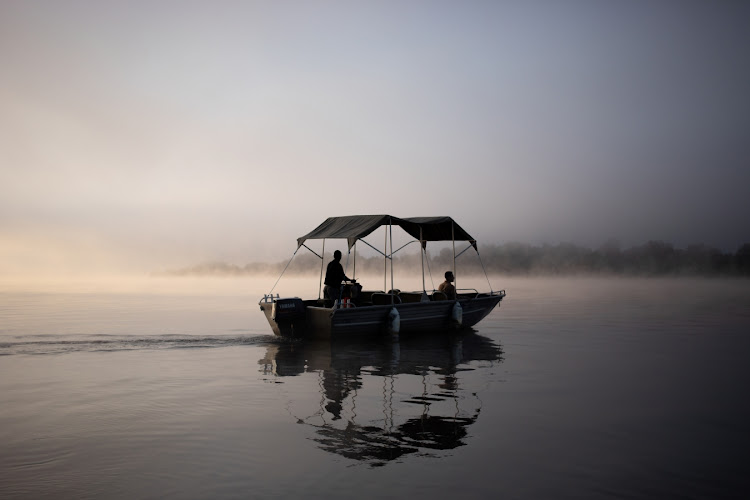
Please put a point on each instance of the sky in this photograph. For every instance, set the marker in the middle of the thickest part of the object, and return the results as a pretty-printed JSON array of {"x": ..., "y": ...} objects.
[{"x": 147, "y": 135}]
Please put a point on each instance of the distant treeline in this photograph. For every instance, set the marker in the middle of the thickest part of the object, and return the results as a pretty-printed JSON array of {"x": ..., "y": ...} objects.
[
  {"x": 651, "y": 259},
  {"x": 655, "y": 258}
]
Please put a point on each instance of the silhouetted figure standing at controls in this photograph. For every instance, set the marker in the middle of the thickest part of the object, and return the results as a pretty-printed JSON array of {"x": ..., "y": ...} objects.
[{"x": 334, "y": 276}]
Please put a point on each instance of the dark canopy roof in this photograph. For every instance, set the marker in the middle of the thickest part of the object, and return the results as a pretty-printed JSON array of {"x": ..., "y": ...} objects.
[{"x": 354, "y": 227}]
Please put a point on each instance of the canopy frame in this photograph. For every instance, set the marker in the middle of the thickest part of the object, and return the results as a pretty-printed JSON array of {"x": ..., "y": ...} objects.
[{"x": 355, "y": 228}]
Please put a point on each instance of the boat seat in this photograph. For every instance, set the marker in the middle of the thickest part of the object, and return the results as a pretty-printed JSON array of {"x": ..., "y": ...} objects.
[
  {"x": 381, "y": 299},
  {"x": 410, "y": 297},
  {"x": 439, "y": 296}
]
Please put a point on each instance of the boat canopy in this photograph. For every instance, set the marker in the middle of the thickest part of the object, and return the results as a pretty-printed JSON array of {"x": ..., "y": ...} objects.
[{"x": 354, "y": 227}]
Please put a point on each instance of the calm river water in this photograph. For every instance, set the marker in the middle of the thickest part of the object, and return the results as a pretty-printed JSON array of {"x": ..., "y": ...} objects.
[{"x": 573, "y": 388}]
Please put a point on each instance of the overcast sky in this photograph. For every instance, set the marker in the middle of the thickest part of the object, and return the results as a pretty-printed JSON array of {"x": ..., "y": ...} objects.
[{"x": 155, "y": 134}]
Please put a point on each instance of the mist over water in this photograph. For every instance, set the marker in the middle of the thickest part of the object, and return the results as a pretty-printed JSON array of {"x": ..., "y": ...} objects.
[{"x": 655, "y": 258}]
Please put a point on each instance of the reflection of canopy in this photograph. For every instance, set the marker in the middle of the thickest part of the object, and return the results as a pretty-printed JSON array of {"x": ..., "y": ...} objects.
[
  {"x": 354, "y": 227},
  {"x": 347, "y": 364}
]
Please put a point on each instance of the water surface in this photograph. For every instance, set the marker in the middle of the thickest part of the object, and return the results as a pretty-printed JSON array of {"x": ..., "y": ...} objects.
[{"x": 573, "y": 388}]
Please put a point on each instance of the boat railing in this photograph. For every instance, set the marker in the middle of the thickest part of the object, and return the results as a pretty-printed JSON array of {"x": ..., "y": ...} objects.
[
  {"x": 381, "y": 299},
  {"x": 466, "y": 291},
  {"x": 268, "y": 297},
  {"x": 494, "y": 293}
]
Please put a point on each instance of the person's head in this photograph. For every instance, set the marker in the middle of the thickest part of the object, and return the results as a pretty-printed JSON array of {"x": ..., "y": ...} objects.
[
  {"x": 337, "y": 255},
  {"x": 448, "y": 276}
]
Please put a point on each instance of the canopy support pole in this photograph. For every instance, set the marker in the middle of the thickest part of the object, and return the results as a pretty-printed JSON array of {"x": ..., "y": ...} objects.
[
  {"x": 453, "y": 239},
  {"x": 313, "y": 251},
  {"x": 462, "y": 251},
  {"x": 322, "y": 261},
  {"x": 402, "y": 246},
  {"x": 429, "y": 271},
  {"x": 282, "y": 272},
  {"x": 390, "y": 229},
  {"x": 377, "y": 250},
  {"x": 421, "y": 254},
  {"x": 385, "y": 261},
  {"x": 485, "y": 272}
]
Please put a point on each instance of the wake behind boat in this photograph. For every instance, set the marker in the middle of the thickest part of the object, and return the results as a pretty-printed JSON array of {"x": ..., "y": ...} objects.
[{"x": 353, "y": 311}]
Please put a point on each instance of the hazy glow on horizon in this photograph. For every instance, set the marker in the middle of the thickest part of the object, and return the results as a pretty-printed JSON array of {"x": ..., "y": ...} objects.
[{"x": 147, "y": 135}]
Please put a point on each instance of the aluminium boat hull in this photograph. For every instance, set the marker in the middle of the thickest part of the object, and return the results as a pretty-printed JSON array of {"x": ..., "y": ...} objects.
[{"x": 372, "y": 320}]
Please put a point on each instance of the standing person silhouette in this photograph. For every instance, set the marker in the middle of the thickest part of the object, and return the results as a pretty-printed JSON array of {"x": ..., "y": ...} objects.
[{"x": 334, "y": 276}]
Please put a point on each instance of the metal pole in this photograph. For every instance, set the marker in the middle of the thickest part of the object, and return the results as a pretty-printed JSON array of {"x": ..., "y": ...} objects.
[
  {"x": 485, "y": 271},
  {"x": 354, "y": 271},
  {"x": 282, "y": 272},
  {"x": 390, "y": 228},
  {"x": 455, "y": 279},
  {"x": 322, "y": 261},
  {"x": 385, "y": 261},
  {"x": 429, "y": 271},
  {"x": 421, "y": 254}
]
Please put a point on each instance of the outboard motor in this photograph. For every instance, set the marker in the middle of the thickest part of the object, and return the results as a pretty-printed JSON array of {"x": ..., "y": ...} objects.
[{"x": 287, "y": 310}]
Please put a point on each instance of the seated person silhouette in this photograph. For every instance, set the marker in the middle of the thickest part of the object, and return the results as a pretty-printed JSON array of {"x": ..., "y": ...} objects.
[{"x": 447, "y": 286}]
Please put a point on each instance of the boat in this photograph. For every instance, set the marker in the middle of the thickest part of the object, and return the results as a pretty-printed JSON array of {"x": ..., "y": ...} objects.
[{"x": 378, "y": 312}]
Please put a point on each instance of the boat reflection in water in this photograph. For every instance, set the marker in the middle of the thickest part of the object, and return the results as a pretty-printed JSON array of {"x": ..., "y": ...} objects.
[{"x": 377, "y": 402}]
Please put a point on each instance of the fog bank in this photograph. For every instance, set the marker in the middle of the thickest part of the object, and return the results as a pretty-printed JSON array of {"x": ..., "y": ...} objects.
[{"x": 655, "y": 258}]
